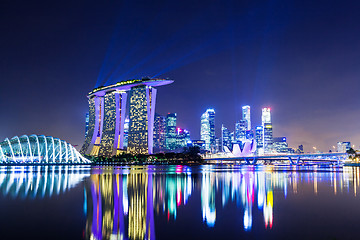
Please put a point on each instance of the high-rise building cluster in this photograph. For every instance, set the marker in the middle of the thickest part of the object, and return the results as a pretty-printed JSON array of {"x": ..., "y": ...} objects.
[
  {"x": 261, "y": 135},
  {"x": 121, "y": 118},
  {"x": 167, "y": 136}
]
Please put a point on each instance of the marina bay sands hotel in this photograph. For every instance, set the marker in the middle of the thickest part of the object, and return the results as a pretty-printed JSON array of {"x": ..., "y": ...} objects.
[{"x": 107, "y": 110}]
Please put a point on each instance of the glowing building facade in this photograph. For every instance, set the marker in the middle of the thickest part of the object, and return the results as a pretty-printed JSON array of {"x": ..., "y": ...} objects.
[
  {"x": 265, "y": 116},
  {"x": 225, "y": 138},
  {"x": 207, "y": 130},
  {"x": 182, "y": 138},
  {"x": 171, "y": 131},
  {"x": 246, "y": 116},
  {"x": 240, "y": 130},
  {"x": 343, "y": 146},
  {"x": 107, "y": 110},
  {"x": 268, "y": 137},
  {"x": 280, "y": 145},
  {"x": 142, "y": 112},
  {"x": 259, "y": 137},
  {"x": 267, "y": 130},
  {"x": 159, "y": 133}
]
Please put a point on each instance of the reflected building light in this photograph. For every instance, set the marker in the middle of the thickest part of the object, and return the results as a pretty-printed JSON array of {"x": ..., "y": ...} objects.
[
  {"x": 171, "y": 192},
  {"x": 315, "y": 184},
  {"x": 261, "y": 189},
  {"x": 178, "y": 192},
  {"x": 285, "y": 187},
  {"x": 85, "y": 202},
  {"x": 39, "y": 181},
  {"x": 125, "y": 196},
  {"x": 208, "y": 201},
  {"x": 247, "y": 218},
  {"x": 122, "y": 206},
  {"x": 268, "y": 210}
]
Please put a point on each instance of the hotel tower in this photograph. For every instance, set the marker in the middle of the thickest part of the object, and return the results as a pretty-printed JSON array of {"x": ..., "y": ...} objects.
[{"x": 107, "y": 113}]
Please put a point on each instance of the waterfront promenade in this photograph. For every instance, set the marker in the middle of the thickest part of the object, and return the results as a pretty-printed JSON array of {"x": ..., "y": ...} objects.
[{"x": 292, "y": 159}]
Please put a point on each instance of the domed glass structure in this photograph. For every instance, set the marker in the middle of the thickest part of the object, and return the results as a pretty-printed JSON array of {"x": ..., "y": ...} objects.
[{"x": 38, "y": 149}]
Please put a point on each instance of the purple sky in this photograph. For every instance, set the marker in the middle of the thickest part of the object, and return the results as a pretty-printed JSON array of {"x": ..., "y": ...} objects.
[{"x": 301, "y": 58}]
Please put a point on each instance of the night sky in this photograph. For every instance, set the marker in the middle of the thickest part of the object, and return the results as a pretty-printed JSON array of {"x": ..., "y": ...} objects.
[{"x": 301, "y": 58}]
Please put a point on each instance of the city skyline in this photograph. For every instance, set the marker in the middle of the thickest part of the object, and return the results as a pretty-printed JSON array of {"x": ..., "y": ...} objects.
[{"x": 300, "y": 61}]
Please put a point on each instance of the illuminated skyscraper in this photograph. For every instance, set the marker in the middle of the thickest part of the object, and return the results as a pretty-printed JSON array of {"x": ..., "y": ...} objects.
[
  {"x": 267, "y": 129},
  {"x": 225, "y": 138},
  {"x": 259, "y": 137},
  {"x": 240, "y": 130},
  {"x": 112, "y": 138},
  {"x": 182, "y": 138},
  {"x": 171, "y": 131},
  {"x": 107, "y": 108},
  {"x": 142, "y": 112},
  {"x": 207, "y": 131},
  {"x": 268, "y": 137},
  {"x": 343, "y": 146},
  {"x": 249, "y": 134},
  {"x": 246, "y": 116},
  {"x": 159, "y": 133},
  {"x": 280, "y": 145},
  {"x": 265, "y": 116}
]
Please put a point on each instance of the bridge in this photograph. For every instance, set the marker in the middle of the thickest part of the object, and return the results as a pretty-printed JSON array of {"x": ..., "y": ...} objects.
[{"x": 293, "y": 159}]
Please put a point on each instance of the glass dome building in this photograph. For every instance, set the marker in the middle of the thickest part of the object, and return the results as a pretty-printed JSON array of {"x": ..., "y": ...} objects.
[{"x": 38, "y": 149}]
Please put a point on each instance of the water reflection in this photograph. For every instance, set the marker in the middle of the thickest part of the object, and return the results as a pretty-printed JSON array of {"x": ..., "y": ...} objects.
[
  {"x": 133, "y": 195},
  {"x": 39, "y": 181},
  {"x": 123, "y": 202}
]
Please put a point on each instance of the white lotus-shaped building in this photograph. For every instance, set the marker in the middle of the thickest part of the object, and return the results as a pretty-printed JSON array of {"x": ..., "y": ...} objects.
[
  {"x": 38, "y": 149},
  {"x": 248, "y": 149}
]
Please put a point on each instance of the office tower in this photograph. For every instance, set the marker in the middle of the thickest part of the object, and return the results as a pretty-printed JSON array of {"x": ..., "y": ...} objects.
[
  {"x": 343, "y": 146},
  {"x": 259, "y": 137},
  {"x": 268, "y": 137},
  {"x": 217, "y": 145},
  {"x": 246, "y": 116},
  {"x": 187, "y": 137},
  {"x": 280, "y": 145},
  {"x": 182, "y": 138},
  {"x": 107, "y": 108},
  {"x": 159, "y": 133},
  {"x": 225, "y": 138},
  {"x": 86, "y": 124},
  {"x": 207, "y": 130},
  {"x": 199, "y": 143},
  {"x": 170, "y": 138},
  {"x": 232, "y": 137},
  {"x": 249, "y": 134},
  {"x": 268, "y": 131},
  {"x": 240, "y": 130},
  {"x": 265, "y": 116}
]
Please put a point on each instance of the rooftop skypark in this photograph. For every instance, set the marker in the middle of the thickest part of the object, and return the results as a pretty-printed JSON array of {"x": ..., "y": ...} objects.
[{"x": 128, "y": 84}]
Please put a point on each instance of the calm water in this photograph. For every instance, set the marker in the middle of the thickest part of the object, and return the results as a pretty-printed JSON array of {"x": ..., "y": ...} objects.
[{"x": 179, "y": 202}]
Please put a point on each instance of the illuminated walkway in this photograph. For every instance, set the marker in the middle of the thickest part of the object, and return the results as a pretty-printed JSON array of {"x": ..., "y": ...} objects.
[{"x": 292, "y": 159}]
